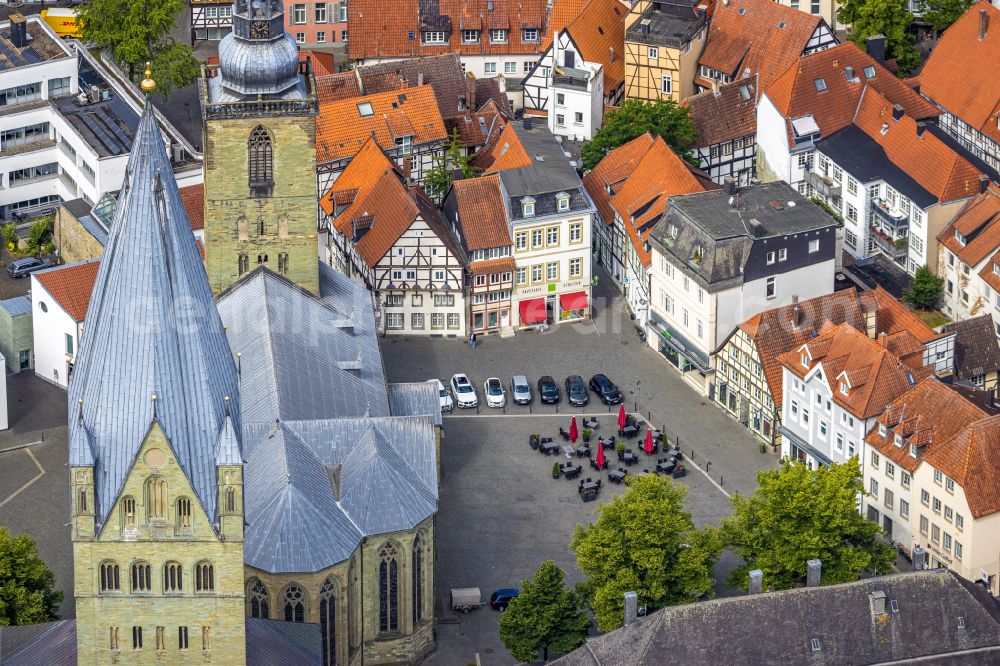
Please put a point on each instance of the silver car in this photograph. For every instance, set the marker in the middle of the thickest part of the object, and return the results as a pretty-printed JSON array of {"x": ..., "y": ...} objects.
[{"x": 520, "y": 390}]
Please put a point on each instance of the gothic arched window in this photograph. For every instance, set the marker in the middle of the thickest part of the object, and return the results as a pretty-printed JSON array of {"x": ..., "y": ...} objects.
[
  {"x": 173, "y": 579},
  {"x": 183, "y": 512},
  {"x": 230, "y": 500},
  {"x": 283, "y": 263},
  {"x": 110, "y": 577},
  {"x": 128, "y": 514},
  {"x": 141, "y": 579},
  {"x": 328, "y": 622},
  {"x": 260, "y": 154},
  {"x": 257, "y": 599},
  {"x": 156, "y": 497},
  {"x": 294, "y": 604},
  {"x": 204, "y": 577},
  {"x": 418, "y": 580},
  {"x": 244, "y": 264},
  {"x": 388, "y": 589}
]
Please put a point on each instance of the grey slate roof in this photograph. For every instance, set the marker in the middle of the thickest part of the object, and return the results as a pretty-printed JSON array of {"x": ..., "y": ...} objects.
[
  {"x": 19, "y": 305},
  {"x": 730, "y": 631},
  {"x": 45, "y": 644},
  {"x": 277, "y": 643},
  {"x": 550, "y": 174},
  {"x": 152, "y": 329},
  {"x": 415, "y": 399},
  {"x": 976, "y": 349}
]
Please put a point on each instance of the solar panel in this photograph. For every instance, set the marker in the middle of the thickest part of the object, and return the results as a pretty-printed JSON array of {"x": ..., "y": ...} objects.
[
  {"x": 31, "y": 55},
  {"x": 11, "y": 55},
  {"x": 119, "y": 109},
  {"x": 100, "y": 134},
  {"x": 113, "y": 126},
  {"x": 89, "y": 78}
]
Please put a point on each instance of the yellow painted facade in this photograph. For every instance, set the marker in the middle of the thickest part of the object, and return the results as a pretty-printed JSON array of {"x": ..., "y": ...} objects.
[{"x": 157, "y": 584}]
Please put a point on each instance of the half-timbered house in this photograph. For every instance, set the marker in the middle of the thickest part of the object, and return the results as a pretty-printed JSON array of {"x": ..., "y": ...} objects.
[
  {"x": 726, "y": 120},
  {"x": 211, "y": 19},
  {"x": 389, "y": 237},
  {"x": 663, "y": 41}
]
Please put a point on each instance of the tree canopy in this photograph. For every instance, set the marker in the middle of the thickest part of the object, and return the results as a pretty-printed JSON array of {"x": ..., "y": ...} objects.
[
  {"x": 26, "y": 590},
  {"x": 890, "y": 18},
  {"x": 925, "y": 289},
  {"x": 940, "y": 14},
  {"x": 545, "y": 616},
  {"x": 643, "y": 541},
  {"x": 138, "y": 31},
  {"x": 634, "y": 118},
  {"x": 798, "y": 514},
  {"x": 444, "y": 167}
]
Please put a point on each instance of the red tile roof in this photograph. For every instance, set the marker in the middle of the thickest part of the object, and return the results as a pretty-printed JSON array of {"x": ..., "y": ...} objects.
[
  {"x": 322, "y": 62},
  {"x": 506, "y": 152},
  {"x": 892, "y": 317},
  {"x": 961, "y": 73},
  {"x": 971, "y": 459},
  {"x": 384, "y": 29},
  {"x": 476, "y": 129},
  {"x": 336, "y": 87},
  {"x": 761, "y": 36},
  {"x": 70, "y": 286},
  {"x": 489, "y": 266},
  {"x": 598, "y": 32},
  {"x": 560, "y": 16},
  {"x": 980, "y": 220},
  {"x": 727, "y": 114},
  {"x": 341, "y": 130},
  {"x": 924, "y": 157},
  {"x": 794, "y": 93},
  {"x": 193, "y": 197},
  {"x": 482, "y": 220},
  {"x": 612, "y": 171}
]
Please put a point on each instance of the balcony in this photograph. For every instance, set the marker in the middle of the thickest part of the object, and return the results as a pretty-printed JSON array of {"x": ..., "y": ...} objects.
[
  {"x": 822, "y": 185},
  {"x": 893, "y": 246},
  {"x": 890, "y": 217},
  {"x": 570, "y": 77}
]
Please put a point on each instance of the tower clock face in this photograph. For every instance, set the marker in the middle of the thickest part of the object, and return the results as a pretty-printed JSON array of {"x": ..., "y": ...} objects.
[{"x": 260, "y": 30}]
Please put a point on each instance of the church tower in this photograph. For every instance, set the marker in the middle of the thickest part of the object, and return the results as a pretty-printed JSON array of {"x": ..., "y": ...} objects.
[
  {"x": 154, "y": 436},
  {"x": 259, "y": 110}
]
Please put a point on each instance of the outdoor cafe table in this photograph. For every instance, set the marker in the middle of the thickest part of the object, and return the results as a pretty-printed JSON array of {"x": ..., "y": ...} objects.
[
  {"x": 607, "y": 442},
  {"x": 629, "y": 458},
  {"x": 666, "y": 465},
  {"x": 588, "y": 491},
  {"x": 630, "y": 431},
  {"x": 583, "y": 451},
  {"x": 548, "y": 448},
  {"x": 617, "y": 476}
]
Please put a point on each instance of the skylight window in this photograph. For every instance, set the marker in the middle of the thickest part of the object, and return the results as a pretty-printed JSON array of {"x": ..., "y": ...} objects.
[
  {"x": 869, "y": 72},
  {"x": 885, "y": 129},
  {"x": 742, "y": 11},
  {"x": 365, "y": 109},
  {"x": 820, "y": 85}
]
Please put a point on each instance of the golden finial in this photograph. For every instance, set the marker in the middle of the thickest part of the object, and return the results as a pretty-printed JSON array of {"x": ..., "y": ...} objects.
[{"x": 148, "y": 85}]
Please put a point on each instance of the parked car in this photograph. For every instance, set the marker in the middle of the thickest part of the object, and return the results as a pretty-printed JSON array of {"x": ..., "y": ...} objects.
[
  {"x": 502, "y": 597},
  {"x": 444, "y": 396},
  {"x": 605, "y": 389},
  {"x": 465, "y": 392},
  {"x": 495, "y": 395},
  {"x": 20, "y": 268},
  {"x": 520, "y": 390},
  {"x": 576, "y": 391},
  {"x": 548, "y": 390}
]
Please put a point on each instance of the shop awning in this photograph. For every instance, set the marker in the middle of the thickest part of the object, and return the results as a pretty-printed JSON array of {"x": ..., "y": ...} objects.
[
  {"x": 574, "y": 301},
  {"x": 532, "y": 311}
]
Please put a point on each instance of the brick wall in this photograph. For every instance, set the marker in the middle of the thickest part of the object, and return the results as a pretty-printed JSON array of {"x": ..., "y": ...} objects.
[{"x": 72, "y": 239}]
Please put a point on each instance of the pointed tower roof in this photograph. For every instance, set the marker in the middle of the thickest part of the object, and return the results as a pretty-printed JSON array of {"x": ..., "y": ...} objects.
[
  {"x": 152, "y": 328},
  {"x": 227, "y": 449}
]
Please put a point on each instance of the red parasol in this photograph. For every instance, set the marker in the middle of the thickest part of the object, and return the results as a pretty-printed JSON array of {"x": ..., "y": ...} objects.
[
  {"x": 648, "y": 446},
  {"x": 621, "y": 417},
  {"x": 600, "y": 457},
  {"x": 573, "y": 432}
]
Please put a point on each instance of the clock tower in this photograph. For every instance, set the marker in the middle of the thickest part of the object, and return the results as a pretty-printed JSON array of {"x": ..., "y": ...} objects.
[{"x": 259, "y": 111}]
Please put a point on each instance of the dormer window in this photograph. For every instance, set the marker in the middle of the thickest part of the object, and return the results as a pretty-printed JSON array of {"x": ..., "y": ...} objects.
[
  {"x": 996, "y": 269},
  {"x": 498, "y": 36},
  {"x": 882, "y": 430},
  {"x": 528, "y": 207},
  {"x": 470, "y": 36},
  {"x": 844, "y": 388},
  {"x": 898, "y": 440},
  {"x": 805, "y": 360},
  {"x": 913, "y": 450},
  {"x": 562, "y": 200},
  {"x": 960, "y": 238}
]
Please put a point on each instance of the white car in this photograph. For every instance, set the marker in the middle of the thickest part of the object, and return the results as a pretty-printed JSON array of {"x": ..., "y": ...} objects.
[
  {"x": 444, "y": 396},
  {"x": 495, "y": 395},
  {"x": 465, "y": 392}
]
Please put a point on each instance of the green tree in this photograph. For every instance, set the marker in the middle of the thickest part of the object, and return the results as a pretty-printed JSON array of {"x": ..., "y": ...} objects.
[
  {"x": 798, "y": 514},
  {"x": 883, "y": 17},
  {"x": 39, "y": 235},
  {"x": 26, "y": 594},
  {"x": 545, "y": 616},
  {"x": 439, "y": 177},
  {"x": 634, "y": 118},
  {"x": 138, "y": 31},
  {"x": 925, "y": 289},
  {"x": 940, "y": 14},
  {"x": 643, "y": 541}
]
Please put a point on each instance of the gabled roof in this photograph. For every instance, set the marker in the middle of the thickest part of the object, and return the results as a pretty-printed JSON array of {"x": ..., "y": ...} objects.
[
  {"x": 341, "y": 129},
  {"x": 876, "y": 376},
  {"x": 193, "y": 197},
  {"x": 794, "y": 93},
  {"x": 151, "y": 273},
  {"x": 482, "y": 218},
  {"x": 442, "y": 72},
  {"x": 561, "y": 14},
  {"x": 504, "y": 152},
  {"x": 477, "y": 129},
  {"x": 380, "y": 29},
  {"x": 979, "y": 223},
  {"x": 726, "y": 114},
  {"x": 598, "y": 32},
  {"x": 941, "y": 171},
  {"x": 961, "y": 74},
  {"x": 779, "y": 330},
  {"x": 892, "y": 317},
  {"x": 336, "y": 87},
  {"x": 977, "y": 351},
  {"x": 71, "y": 286},
  {"x": 970, "y": 458},
  {"x": 756, "y": 36},
  {"x": 612, "y": 172}
]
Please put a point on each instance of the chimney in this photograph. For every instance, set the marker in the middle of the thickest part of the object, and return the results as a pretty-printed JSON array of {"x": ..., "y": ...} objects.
[
  {"x": 875, "y": 45},
  {"x": 729, "y": 185},
  {"x": 333, "y": 474},
  {"x": 756, "y": 581},
  {"x": 919, "y": 558},
  {"x": 877, "y": 602},
  {"x": 984, "y": 182},
  {"x": 814, "y": 568},
  {"x": 470, "y": 93},
  {"x": 526, "y": 123},
  {"x": 715, "y": 87},
  {"x": 796, "y": 312},
  {"x": 756, "y": 228},
  {"x": 420, "y": 78},
  {"x": 611, "y": 53},
  {"x": 897, "y": 112},
  {"x": 984, "y": 22},
  {"x": 631, "y": 603},
  {"x": 921, "y": 128},
  {"x": 18, "y": 30}
]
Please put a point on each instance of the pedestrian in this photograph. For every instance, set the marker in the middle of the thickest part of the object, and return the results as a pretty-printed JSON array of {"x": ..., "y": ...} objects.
[{"x": 472, "y": 341}]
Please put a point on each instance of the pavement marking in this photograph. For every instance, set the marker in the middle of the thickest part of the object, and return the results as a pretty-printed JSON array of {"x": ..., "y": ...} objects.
[
  {"x": 18, "y": 447},
  {"x": 519, "y": 415},
  {"x": 41, "y": 473},
  {"x": 687, "y": 460}
]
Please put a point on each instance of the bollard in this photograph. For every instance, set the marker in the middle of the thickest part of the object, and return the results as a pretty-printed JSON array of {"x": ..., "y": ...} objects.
[{"x": 722, "y": 480}]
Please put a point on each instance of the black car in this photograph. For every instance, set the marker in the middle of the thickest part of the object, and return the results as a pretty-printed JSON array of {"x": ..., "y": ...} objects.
[
  {"x": 576, "y": 391},
  {"x": 605, "y": 389},
  {"x": 502, "y": 597},
  {"x": 548, "y": 390},
  {"x": 24, "y": 267}
]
